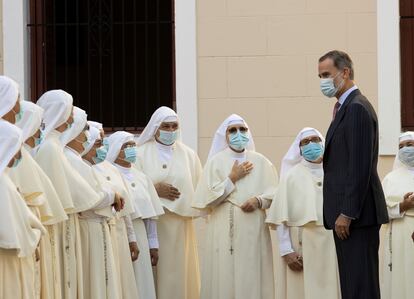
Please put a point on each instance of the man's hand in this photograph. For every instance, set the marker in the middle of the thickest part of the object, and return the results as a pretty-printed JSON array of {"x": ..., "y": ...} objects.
[
  {"x": 240, "y": 171},
  {"x": 407, "y": 203},
  {"x": 294, "y": 261},
  {"x": 119, "y": 202},
  {"x": 342, "y": 224},
  {"x": 167, "y": 191},
  {"x": 154, "y": 256},
  {"x": 250, "y": 205},
  {"x": 133, "y": 248}
]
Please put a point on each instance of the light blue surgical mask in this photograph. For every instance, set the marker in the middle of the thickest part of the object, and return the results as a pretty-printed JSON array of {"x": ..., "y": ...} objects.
[
  {"x": 68, "y": 126},
  {"x": 312, "y": 151},
  {"x": 18, "y": 116},
  {"x": 406, "y": 155},
  {"x": 87, "y": 143},
  {"x": 238, "y": 140},
  {"x": 39, "y": 140},
  {"x": 100, "y": 155},
  {"x": 328, "y": 87},
  {"x": 130, "y": 154},
  {"x": 105, "y": 143},
  {"x": 168, "y": 137},
  {"x": 16, "y": 162}
]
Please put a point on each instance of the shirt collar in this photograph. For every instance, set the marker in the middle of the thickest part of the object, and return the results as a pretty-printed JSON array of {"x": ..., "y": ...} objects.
[
  {"x": 345, "y": 95},
  {"x": 240, "y": 157},
  {"x": 312, "y": 165},
  {"x": 87, "y": 162},
  {"x": 123, "y": 169},
  {"x": 164, "y": 147},
  {"x": 72, "y": 150}
]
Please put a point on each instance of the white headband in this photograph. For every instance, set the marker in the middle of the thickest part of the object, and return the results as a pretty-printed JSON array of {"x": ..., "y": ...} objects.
[
  {"x": 9, "y": 93},
  {"x": 162, "y": 114},
  {"x": 115, "y": 142},
  {"x": 57, "y": 105},
  {"x": 219, "y": 141}
]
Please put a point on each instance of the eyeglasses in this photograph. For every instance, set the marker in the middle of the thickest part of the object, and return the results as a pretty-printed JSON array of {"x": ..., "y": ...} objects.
[
  {"x": 169, "y": 126},
  {"x": 240, "y": 129},
  {"x": 306, "y": 141},
  {"x": 406, "y": 144}
]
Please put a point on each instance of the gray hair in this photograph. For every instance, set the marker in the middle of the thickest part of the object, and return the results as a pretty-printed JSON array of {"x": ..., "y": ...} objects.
[{"x": 341, "y": 60}]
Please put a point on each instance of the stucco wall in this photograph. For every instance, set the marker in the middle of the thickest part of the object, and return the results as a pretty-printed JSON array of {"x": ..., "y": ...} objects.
[{"x": 258, "y": 58}]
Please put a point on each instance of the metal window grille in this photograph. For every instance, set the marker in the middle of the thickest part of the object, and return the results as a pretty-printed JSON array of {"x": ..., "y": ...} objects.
[
  {"x": 116, "y": 57},
  {"x": 407, "y": 63}
]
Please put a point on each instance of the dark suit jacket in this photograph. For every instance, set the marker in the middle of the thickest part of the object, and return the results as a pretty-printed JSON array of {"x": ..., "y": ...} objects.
[{"x": 351, "y": 183}]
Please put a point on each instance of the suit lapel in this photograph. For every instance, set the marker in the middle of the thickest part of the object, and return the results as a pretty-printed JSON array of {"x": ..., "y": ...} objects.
[{"x": 339, "y": 116}]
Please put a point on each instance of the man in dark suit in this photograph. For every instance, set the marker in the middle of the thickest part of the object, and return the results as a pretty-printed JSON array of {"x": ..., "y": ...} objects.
[{"x": 353, "y": 200}]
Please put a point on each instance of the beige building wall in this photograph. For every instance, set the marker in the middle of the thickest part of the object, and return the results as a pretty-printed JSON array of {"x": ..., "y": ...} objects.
[{"x": 258, "y": 58}]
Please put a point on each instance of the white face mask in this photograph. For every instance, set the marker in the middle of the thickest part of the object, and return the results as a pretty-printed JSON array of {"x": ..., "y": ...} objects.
[
  {"x": 328, "y": 87},
  {"x": 406, "y": 155}
]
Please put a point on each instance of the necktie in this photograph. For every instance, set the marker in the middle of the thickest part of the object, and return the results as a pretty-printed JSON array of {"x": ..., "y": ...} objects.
[{"x": 335, "y": 110}]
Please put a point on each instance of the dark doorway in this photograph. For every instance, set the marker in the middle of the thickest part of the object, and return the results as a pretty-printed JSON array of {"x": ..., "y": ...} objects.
[{"x": 116, "y": 57}]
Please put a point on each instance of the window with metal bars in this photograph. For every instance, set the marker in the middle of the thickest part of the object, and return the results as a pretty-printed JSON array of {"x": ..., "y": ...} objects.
[
  {"x": 407, "y": 63},
  {"x": 116, "y": 57}
]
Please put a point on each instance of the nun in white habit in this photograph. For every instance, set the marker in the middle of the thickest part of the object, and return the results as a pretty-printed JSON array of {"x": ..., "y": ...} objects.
[
  {"x": 302, "y": 271},
  {"x": 398, "y": 254},
  {"x": 74, "y": 191},
  {"x": 28, "y": 175},
  {"x": 123, "y": 238},
  {"x": 20, "y": 230},
  {"x": 9, "y": 100},
  {"x": 97, "y": 255},
  {"x": 96, "y": 125},
  {"x": 174, "y": 169},
  {"x": 39, "y": 192},
  {"x": 30, "y": 124},
  {"x": 147, "y": 207},
  {"x": 236, "y": 187}
]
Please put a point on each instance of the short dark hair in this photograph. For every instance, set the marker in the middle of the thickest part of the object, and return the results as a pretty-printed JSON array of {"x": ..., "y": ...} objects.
[{"x": 340, "y": 60}]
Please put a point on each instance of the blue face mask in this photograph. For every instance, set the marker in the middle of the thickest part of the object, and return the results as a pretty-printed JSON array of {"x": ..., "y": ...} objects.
[
  {"x": 312, "y": 151},
  {"x": 238, "y": 141},
  {"x": 167, "y": 137},
  {"x": 130, "y": 154},
  {"x": 18, "y": 116},
  {"x": 39, "y": 140},
  {"x": 328, "y": 87},
  {"x": 16, "y": 162},
  {"x": 87, "y": 142},
  {"x": 100, "y": 155},
  {"x": 105, "y": 143},
  {"x": 406, "y": 155},
  {"x": 68, "y": 126}
]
